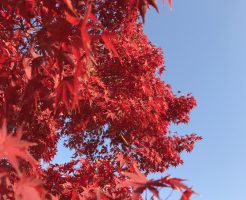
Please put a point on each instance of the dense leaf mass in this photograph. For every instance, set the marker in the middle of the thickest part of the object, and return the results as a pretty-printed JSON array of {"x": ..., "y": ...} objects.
[{"x": 84, "y": 70}]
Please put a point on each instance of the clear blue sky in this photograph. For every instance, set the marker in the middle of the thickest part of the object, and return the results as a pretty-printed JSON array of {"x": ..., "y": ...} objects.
[{"x": 204, "y": 43}]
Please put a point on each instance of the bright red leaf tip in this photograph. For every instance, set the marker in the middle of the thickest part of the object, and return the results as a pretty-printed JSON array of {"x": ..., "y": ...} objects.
[
  {"x": 187, "y": 194},
  {"x": 154, "y": 4},
  {"x": 169, "y": 3}
]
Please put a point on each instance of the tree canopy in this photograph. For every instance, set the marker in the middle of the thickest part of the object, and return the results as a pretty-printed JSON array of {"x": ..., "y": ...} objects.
[{"x": 85, "y": 70}]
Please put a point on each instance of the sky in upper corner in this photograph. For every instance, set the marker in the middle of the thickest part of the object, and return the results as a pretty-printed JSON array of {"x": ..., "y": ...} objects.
[{"x": 204, "y": 44}]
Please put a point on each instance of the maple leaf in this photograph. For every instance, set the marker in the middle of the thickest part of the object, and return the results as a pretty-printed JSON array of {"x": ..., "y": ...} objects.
[
  {"x": 154, "y": 4},
  {"x": 75, "y": 196},
  {"x": 139, "y": 183},
  {"x": 120, "y": 158},
  {"x": 161, "y": 70},
  {"x": 111, "y": 115},
  {"x": 71, "y": 19},
  {"x": 65, "y": 91},
  {"x": 105, "y": 36},
  {"x": 187, "y": 194},
  {"x": 54, "y": 197},
  {"x": 69, "y": 5},
  {"x": 175, "y": 183},
  {"x": 27, "y": 67},
  {"x": 12, "y": 147},
  {"x": 28, "y": 188},
  {"x": 31, "y": 2},
  {"x": 100, "y": 195},
  {"x": 169, "y": 3},
  {"x": 143, "y": 5},
  {"x": 89, "y": 192},
  {"x": 84, "y": 32}
]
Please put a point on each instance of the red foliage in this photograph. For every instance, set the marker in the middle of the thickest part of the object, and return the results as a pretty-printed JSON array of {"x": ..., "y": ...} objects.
[{"x": 84, "y": 70}]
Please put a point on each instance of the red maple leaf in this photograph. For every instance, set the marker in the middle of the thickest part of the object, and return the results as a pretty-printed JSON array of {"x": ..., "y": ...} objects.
[
  {"x": 12, "y": 147},
  {"x": 28, "y": 188},
  {"x": 105, "y": 37},
  {"x": 187, "y": 194},
  {"x": 139, "y": 183},
  {"x": 169, "y": 3},
  {"x": 65, "y": 91}
]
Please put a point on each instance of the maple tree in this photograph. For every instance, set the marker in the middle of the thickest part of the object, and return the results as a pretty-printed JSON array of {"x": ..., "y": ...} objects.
[{"x": 85, "y": 70}]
